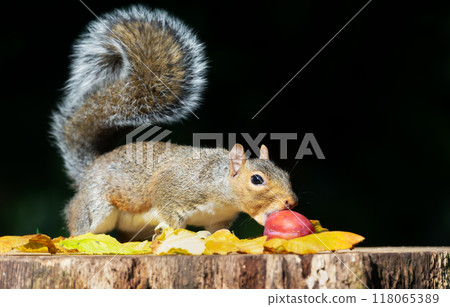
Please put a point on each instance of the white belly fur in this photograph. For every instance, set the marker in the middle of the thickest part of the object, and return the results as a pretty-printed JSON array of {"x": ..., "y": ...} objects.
[
  {"x": 211, "y": 213},
  {"x": 207, "y": 214},
  {"x": 135, "y": 222}
]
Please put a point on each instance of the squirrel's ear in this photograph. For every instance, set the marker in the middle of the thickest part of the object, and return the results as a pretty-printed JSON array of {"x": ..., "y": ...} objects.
[
  {"x": 237, "y": 159},
  {"x": 264, "y": 153}
]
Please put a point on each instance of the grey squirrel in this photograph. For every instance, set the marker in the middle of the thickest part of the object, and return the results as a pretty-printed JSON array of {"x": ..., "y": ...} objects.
[{"x": 135, "y": 66}]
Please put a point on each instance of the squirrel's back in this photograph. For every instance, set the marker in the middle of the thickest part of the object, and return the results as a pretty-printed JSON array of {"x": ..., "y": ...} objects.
[{"x": 130, "y": 67}]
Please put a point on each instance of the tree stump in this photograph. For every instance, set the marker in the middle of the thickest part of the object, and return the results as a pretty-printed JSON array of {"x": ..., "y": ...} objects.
[{"x": 384, "y": 267}]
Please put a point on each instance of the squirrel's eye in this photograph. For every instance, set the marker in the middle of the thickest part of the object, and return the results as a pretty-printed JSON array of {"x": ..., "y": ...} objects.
[{"x": 256, "y": 179}]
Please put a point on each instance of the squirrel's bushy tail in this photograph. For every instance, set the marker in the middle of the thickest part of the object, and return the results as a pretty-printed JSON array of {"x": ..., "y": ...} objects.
[{"x": 132, "y": 66}]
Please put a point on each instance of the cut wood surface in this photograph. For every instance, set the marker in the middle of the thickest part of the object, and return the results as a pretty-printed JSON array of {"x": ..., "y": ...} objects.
[{"x": 384, "y": 267}]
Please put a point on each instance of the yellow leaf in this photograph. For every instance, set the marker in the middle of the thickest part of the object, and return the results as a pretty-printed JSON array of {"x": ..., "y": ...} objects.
[
  {"x": 251, "y": 246},
  {"x": 37, "y": 243},
  {"x": 203, "y": 234},
  {"x": 103, "y": 244},
  {"x": 8, "y": 243},
  {"x": 223, "y": 242},
  {"x": 275, "y": 245},
  {"x": 32, "y": 247},
  {"x": 178, "y": 241},
  {"x": 324, "y": 241},
  {"x": 317, "y": 227},
  {"x": 139, "y": 247},
  {"x": 223, "y": 235},
  {"x": 61, "y": 249},
  {"x": 43, "y": 241}
]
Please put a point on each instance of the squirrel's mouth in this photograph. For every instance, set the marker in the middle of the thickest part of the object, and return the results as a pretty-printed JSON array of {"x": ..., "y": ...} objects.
[{"x": 261, "y": 217}]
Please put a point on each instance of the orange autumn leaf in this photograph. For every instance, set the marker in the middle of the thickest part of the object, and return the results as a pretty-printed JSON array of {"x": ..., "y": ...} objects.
[
  {"x": 32, "y": 247},
  {"x": 8, "y": 243},
  {"x": 38, "y": 243}
]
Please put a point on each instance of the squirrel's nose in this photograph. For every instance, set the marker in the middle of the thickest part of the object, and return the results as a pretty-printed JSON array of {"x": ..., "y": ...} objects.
[{"x": 290, "y": 203}]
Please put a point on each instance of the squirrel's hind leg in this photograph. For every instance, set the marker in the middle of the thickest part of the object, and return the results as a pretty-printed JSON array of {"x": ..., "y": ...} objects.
[{"x": 84, "y": 214}]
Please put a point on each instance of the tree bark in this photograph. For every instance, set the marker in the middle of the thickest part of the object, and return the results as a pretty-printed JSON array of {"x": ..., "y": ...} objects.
[{"x": 384, "y": 267}]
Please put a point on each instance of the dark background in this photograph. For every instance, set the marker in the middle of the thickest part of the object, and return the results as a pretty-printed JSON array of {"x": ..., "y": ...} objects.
[{"x": 376, "y": 99}]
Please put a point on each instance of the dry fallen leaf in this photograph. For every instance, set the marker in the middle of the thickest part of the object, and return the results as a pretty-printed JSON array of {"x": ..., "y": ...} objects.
[
  {"x": 178, "y": 241},
  {"x": 143, "y": 247},
  {"x": 182, "y": 241},
  {"x": 317, "y": 227},
  {"x": 275, "y": 246},
  {"x": 252, "y": 246},
  {"x": 314, "y": 243},
  {"x": 223, "y": 242},
  {"x": 64, "y": 250},
  {"x": 38, "y": 243},
  {"x": 8, "y": 243},
  {"x": 102, "y": 244}
]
